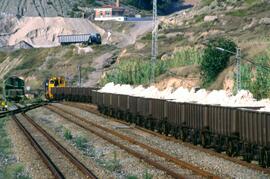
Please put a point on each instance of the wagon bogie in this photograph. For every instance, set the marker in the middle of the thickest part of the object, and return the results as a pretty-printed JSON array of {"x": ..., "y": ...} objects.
[{"x": 235, "y": 130}]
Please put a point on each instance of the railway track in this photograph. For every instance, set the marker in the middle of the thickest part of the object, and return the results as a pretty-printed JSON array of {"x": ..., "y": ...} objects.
[
  {"x": 99, "y": 131},
  {"x": 57, "y": 173},
  {"x": 93, "y": 109},
  {"x": 18, "y": 109}
]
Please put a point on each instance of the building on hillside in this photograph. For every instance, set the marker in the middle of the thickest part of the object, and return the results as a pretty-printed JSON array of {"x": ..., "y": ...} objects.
[
  {"x": 110, "y": 12},
  {"x": 23, "y": 45}
]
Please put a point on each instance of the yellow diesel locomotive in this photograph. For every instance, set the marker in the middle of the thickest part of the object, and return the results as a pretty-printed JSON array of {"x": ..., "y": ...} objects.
[{"x": 51, "y": 83}]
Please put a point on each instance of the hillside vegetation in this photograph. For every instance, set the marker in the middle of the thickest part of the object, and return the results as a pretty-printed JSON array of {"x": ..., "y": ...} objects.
[
  {"x": 245, "y": 23},
  {"x": 184, "y": 39},
  {"x": 36, "y": 65}
]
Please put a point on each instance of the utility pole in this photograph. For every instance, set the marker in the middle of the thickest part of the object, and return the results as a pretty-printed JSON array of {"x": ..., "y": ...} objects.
[
  {"x": 79, "y": 75},
  {"x": 117, "y": 4},
  {"x": 238, "y": 73},
  {"x": 238, "y": 65},
  {"x": 154, "y": 40}
]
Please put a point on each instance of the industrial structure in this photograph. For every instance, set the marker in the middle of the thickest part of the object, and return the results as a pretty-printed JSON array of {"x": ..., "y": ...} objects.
[
  {"x": 86, "y": 39},
  {"x": 154, "y": 40},
  {"x": 110, "y": 12},
  {"x": 13, "y": 88}
]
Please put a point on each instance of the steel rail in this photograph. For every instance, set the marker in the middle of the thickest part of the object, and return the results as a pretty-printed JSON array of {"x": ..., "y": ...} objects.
[
  {"x": 131, "y": 151},
  {"x": 63, "y": 150},
  {"x": 45, "y": 158},
  {"x": 23, "y": 109},
  {"x": 159, "y": 153},
  {"x": 93, "y": 109}
]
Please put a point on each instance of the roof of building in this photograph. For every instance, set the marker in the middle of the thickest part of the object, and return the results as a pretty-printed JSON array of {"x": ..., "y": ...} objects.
[
  {"x": 76, "y": 38},
  {"x": 110, "y": 8}
]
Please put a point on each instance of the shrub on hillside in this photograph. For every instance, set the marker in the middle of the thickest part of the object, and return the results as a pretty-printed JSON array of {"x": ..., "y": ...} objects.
[
  {"x": 215, "y": 61},
  {"x": 137, "y": 71},
  {"x": 256, "y": 78}
]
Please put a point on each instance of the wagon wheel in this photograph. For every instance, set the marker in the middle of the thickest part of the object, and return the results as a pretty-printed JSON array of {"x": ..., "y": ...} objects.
[
  {"x": 262, "y": 159},
  {"x": 182, "y": 135},
  {"x": 163, "y": 128},
  {"x": 152, "y": 125},
  {"x": 178, "y": 133},
  {"x": 266, "y": 158},
  {"x": 147, "y": 123},
  {"x": 218, "y": 144},
  {"x": 204, "y": 140},
  {"x": 247, "y": 155},
  {"x": 230, "y": 148},
  {"x": 195, "y": 138}
]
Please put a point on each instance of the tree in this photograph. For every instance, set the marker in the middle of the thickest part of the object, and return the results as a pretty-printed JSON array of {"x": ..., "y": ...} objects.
[{"x": 215, "y": 61}]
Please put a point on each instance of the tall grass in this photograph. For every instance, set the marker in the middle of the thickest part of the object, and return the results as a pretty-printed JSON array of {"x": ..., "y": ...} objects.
[
  {"x": 256, "y": 78},
  {"x": 187, "y": 56},
  {"x": 137, "y": 71}
]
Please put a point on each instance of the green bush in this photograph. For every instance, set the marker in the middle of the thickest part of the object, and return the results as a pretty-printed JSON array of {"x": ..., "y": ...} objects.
[
  {"x": 215, "y": 61},
  {"x": 147, "y": 175},
  {"x": 134, "y": 71},
  {"x": 67, "y": 134},
  {"x": 13, "y": 171},
  {"x": 113, "y": 165},
  {"x": 187, "y": 56},
  {"x": 137, "y": 71},
  {"x": 256, "y": 78},
  {"x": 239, "y": 13},
  {"x": 207, "y": 2},
  {"x": 81, "y": 142}
]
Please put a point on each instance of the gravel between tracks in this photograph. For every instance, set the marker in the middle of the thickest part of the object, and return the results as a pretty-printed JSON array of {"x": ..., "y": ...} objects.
[
  {"x": 49, "y": 123},
  {"x": 103, "y": 151},
  {"x": 205, "y": 161},
  {"x": 173, "y": 167},
  {"x": 26, "y": 154},
  {"x": 65, "y": 166}
]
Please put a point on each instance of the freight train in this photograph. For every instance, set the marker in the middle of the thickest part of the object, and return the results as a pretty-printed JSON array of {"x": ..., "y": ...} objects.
[
  {"x": 237, "y": 131},
  {"x": 13, "y": 89}
]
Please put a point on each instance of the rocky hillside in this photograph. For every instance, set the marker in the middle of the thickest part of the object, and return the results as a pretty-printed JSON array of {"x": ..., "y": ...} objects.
[
  {"x": 43, "y": 31},
  {"x": 182, "y": 38},
  {"x": 78, "y": 8},
  {"x": 184, "y": 35}
]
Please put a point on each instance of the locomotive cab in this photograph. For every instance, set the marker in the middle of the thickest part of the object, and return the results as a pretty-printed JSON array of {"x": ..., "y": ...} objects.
[{"x": 53, "y": 83}]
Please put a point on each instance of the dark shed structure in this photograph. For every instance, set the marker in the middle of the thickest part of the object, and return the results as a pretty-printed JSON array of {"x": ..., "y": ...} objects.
[{"x": 80, "y": 38}]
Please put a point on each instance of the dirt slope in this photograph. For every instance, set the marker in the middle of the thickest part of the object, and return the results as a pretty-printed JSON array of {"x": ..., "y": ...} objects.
[{"x": 43, "y": 31}]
